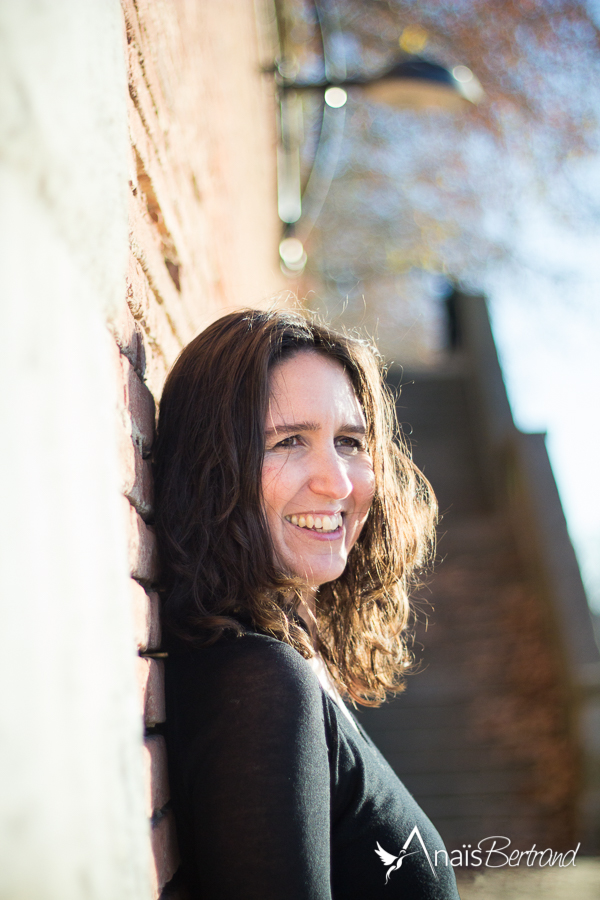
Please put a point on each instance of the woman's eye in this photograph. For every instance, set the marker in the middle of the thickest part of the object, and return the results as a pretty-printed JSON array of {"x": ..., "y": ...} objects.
[
  {"x": 288, "y": 442},
  {"x": 350, "y": 443},
  {"x": 344, "y": 442}
]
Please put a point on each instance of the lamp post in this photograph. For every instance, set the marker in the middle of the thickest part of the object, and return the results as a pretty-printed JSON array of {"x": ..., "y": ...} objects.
[{"x": 411, "y": 83}]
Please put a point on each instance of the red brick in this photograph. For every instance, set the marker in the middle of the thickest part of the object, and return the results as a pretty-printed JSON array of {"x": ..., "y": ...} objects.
[
  {"x": 151, "y": 293},
  {"x": 198, "y": 176},
  {"x": 146, "y": 617},
  {"x": 165, "y": 333},
  {"x": 164, "y": 851},
  {"x": 126, "y": 451},
  {"x": 140, "y": 404},
  {"x": 135, "y": 424},
  {"x": 142, "y": 491},
  {"x": 146, "y": 246},
  {"x": 135, "y": 472},
  {"x": 151, "y": 684},
  {"x": 143, "y": 557},
  {"x": 129, "y": 337},
  {"x": 156, "y": 773},
  {"x": 136, "y": 478},
  {"x": 138, "y": 289},
  {"x": 156, "y": 373},
  {"x": 118, "y": 373}
]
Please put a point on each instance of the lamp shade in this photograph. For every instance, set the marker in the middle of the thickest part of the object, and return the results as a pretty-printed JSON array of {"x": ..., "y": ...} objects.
[{"x": 419, "y": 84}]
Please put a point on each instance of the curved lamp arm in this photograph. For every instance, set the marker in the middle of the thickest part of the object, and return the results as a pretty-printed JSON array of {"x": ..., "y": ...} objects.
[{"x": 411, "y": 83}]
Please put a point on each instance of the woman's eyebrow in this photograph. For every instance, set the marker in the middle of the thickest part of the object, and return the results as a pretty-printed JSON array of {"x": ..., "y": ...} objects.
[
  {"x": 292, "y": 426},
  {"x": 348, "y": 428}
]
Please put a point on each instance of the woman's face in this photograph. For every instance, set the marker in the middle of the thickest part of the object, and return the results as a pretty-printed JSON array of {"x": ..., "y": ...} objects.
[{"x": 317, "y": 477}]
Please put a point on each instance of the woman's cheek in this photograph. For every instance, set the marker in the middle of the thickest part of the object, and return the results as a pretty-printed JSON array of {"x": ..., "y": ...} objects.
[
  {"x": 271, "y": 470},
  {"x": 270, "y": 477},
  {"x": 365, "y": 485},
  {"x": 277, "y": 483},
  {"x": 363, "y": 480}
]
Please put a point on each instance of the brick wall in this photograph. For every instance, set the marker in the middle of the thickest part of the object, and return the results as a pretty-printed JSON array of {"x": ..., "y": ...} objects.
[
  {"x": 203, "y": 224},
  {"x": 203, "y": 240}
]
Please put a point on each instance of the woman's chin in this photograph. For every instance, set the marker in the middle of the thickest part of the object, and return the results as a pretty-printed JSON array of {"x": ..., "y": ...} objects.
[{"x": 317, "y": 573}]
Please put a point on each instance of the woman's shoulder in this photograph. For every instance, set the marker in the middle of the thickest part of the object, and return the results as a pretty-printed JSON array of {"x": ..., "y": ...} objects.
[
  {"x": 247, "y": 665},
  {"x": 248, "y": 647}
]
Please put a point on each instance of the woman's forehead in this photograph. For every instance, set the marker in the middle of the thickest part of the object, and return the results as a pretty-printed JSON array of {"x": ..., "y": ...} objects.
[{"x": 311, "y": 385}]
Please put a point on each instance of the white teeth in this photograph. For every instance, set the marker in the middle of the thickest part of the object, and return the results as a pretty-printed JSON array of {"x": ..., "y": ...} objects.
[{"x": 320, "y": 523}]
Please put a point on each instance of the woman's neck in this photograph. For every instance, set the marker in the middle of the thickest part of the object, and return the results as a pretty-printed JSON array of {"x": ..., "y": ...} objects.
[{"x": 306, "y": 610}]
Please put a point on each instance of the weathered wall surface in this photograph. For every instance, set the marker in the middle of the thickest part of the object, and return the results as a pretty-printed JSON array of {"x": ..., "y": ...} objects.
[
  {"x": 203, "y": 225},
  {"x": 72, "y": 811},
  {"x": 203, "y": 236},
  {"x": 137, "y": 149}
]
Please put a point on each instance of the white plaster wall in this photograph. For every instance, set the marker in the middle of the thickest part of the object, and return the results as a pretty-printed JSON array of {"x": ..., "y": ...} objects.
[{"x": 72, "y": 819}]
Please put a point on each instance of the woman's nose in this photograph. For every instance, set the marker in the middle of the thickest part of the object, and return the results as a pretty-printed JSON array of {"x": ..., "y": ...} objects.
[{"x": 329, "y": 476}]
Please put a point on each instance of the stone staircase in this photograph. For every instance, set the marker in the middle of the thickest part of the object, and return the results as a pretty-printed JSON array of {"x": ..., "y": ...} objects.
[{"x": 482, "y": 735}]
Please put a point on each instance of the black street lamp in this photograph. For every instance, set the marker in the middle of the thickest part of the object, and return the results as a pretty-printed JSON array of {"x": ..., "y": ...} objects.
[{"x": 411, "y": 83}]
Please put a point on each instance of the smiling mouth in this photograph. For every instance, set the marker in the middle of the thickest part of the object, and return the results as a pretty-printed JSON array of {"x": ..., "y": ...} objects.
[{"x": 324, "y": 524}]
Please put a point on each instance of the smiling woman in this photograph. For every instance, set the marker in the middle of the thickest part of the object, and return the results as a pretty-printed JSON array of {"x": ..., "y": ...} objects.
[
  {"x": 290, "y": 526},
  {"x": 317, "y": 475}
]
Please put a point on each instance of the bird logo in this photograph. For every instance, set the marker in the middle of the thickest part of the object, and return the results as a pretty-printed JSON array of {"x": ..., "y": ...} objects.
[
  {"x": 395, "y": 861},
  {"x": 388, "y": 859}
]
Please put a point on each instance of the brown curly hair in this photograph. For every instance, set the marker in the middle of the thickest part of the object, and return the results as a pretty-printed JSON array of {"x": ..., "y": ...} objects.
[{"x": 217, "y": 560}]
